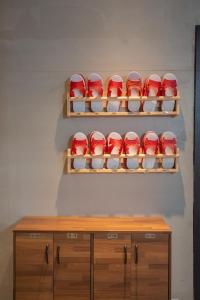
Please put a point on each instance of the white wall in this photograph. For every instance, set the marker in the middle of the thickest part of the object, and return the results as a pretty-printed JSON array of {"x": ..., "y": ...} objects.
[{"x": 41, "y": 44}]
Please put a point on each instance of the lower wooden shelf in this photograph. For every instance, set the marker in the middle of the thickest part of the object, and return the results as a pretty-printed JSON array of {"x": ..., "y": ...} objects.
[
  {"x": 123, "y": 114},
  {"x": 122, "y": 169}
]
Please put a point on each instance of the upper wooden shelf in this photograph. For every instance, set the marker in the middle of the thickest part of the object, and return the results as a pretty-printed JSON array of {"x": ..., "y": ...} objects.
[
  {"x": 68, "y": 106},
  {"x": 93, "y": 224}
]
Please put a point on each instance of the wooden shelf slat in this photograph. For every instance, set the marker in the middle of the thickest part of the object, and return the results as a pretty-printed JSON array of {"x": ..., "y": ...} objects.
[
  {"x": 122, "y": 157},
  {"x": 122, "y": 170},
  {"x": 123, "y": 113},
  {"x": 140, "y": 155},
  {"x": 68, "y": 112},
  {"x": 121, "y": 98}
]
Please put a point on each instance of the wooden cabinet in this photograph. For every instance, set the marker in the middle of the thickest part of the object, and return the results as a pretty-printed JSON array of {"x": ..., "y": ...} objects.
[
  {"x": 150, "y": 275},
  {"x": 34, "y": 266},
  {"x": 71, "y": 266},
  {"x": 112, "y": 266},
  {"x": 61, "y": 258}
]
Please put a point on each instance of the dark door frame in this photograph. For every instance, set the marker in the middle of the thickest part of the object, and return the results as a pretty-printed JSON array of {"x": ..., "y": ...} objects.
[{"x": 196, "y": 161}]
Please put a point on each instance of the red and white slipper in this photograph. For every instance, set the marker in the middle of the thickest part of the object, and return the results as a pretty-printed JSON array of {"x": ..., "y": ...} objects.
[
  {"x": 97, "y": 147},
  {"x": 95, "y": 89},
  {"x": 115, "y": 86},
  {"x": 132, "y": 146},
  {"x": 79, "y": 147},
  {"x": 78, "y": 89},
  {"x": 169, "y": 89},
  {"x": 134, "y": 89},
  {"x": 150, "y": 143},
  {"x": 114, "y": 146},
  {"x": 152, "y": 88},
  {"x": 168, "y": 147}
]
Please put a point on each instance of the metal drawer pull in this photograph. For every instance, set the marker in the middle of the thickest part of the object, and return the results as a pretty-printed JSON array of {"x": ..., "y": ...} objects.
[
  {"x": 71, "y": 235},
  {"x": 47, "y": 254},
  {"x": 136, "y": 254},
  {"x": 125, "y": 254},
  {"x": 35, "y": 235},
  {"x": 112, "y": 236},
  {"x": 150, "y": 236},
  {"x": 58, "y": 254}
]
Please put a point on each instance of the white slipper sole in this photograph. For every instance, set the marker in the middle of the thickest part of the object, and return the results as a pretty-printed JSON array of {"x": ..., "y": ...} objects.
[
  {"x": 79, "y": 163},
  {"x": 150, "y": 162},
  {"x": 168, "y": 163},
  {"x": 132, "y": 163},
  {"x": 113, "y": 163},
  {"x": 96, "y": 106},
  {"x": 97, "y": 163},
  {"x": 151, "y": 106},
  {"x": 134, "y": 106}
]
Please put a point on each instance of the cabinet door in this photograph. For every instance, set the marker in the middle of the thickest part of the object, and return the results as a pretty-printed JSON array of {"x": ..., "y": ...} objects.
[
  {"x": 112, "y": 266},
  {"x": 34, "y": 266},
  {"x": 72, "y": 266},
  {"x": 150, "y": 271}
]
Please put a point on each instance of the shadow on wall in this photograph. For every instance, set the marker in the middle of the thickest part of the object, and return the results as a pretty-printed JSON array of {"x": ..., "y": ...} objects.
[
  {"x": 120, "y": 194},
  {"x": 6, "y": 262}
]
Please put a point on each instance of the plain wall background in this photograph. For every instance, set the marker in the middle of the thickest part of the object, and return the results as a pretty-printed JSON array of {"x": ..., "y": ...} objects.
[{"x": 43, "y": 42}]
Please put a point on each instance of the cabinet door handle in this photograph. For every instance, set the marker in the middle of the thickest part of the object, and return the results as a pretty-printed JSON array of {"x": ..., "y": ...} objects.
[
  {"x": 136, "y": 254},
  {"x": 125, "y": 254},
  {"x": 58, "y": 254},
  {"x": 47, "y": 254}
]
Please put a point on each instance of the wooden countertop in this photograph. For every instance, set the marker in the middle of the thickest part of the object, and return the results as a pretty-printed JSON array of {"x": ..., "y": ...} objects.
[{"x": 93, "y": 224}]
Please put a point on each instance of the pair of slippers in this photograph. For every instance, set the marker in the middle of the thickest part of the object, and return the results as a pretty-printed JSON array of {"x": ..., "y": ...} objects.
[
  {"x": 153, "y": 87},
  {"x": 92, "y": 88},
  {"x": 152, "y": 144},
  {"x": 131, "y": 145}
]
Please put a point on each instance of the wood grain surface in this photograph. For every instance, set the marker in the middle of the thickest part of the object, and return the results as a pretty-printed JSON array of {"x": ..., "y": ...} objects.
[
  {"x": 112, "y": 271},
  {"x": 151, "y": 270},
  {"x": 106, "y": 258},
  {"x": 71, "y": 266},
  {"x": 93, "y": 224},
  {"x": 34, "y": 276}
]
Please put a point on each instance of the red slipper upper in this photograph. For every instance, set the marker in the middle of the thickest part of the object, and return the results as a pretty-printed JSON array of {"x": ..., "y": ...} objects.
[
  {"x": 171, "y": 143},
  {"x": 80, "y": 85},
  {"x": 153, "y": 144},
  {"x": 133, "y": 84},
  {"x": 97, "y": 143},
  {"x": 79, "y": 143},
  {"x": 169, "y": 84},
  {"x": 95, "y": 85},
  {"x": 152, "y": 84},
  {"x": 115, "y": 143},
  {"x": 128, "y": 143},
  {"x": 114, "y": 84}
]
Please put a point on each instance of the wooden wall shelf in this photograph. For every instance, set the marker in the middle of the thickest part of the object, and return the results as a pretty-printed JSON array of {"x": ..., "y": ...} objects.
[
  {"x": 158, "y": 169},
  {"x": 68, "y": 110}
]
